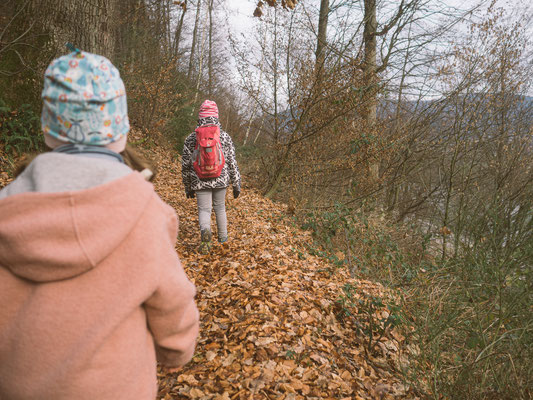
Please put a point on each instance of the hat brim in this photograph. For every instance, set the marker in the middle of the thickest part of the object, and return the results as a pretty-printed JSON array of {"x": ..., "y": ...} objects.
[{"x": 116, "y": 146}]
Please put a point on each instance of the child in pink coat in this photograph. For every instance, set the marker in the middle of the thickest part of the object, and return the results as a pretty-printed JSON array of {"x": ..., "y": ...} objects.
[{"x": 92, "y": 292}]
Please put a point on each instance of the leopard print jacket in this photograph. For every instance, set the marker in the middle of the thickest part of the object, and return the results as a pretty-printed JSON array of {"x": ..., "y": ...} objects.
[{"x": 230, "y": 172}]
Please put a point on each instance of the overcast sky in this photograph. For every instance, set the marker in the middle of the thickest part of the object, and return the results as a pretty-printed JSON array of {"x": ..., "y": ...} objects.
[
  {"x": 242, "y": 10},
  {"x": 241, "y": 18}
]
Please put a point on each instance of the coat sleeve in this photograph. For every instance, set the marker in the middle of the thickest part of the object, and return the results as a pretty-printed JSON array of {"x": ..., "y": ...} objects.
[
  {"x": 186, "y": 163},
  {"x": 171, "y": 311},
  {"x": 231, "y": 161}
]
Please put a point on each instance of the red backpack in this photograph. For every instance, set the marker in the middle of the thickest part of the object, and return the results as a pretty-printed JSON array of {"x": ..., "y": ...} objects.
[{"x": 208, "y": 159}]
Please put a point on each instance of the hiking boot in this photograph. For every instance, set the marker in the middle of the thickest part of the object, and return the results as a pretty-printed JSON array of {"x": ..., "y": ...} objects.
[
  {"x": 205, "y": 245},
  {"x": 223, "y": 243}
]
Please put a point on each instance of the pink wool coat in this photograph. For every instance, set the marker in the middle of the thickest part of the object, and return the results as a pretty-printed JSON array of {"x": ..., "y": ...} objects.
[{"x": 91, "y": 289}]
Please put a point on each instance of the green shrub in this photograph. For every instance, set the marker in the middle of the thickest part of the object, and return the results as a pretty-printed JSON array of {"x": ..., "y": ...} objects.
[
  {"x": 19, "y": 130},
  {"x": 369, "y": 250},
  {"x": 366, "y": 311},
  {"x": 179, "y": 127}
]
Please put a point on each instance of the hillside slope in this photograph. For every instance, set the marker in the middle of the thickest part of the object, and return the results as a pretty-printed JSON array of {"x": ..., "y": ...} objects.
[{"x": 268, "y": 311}]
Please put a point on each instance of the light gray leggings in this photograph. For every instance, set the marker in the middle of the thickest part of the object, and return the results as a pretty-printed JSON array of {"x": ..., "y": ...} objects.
[{"x": 208, "y": 199}]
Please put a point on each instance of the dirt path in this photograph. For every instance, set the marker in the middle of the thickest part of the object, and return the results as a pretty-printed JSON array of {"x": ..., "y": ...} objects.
[{"x": 268, "y": 315}]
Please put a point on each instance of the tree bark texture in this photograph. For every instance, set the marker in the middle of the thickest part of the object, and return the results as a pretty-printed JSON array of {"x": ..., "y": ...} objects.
[
  {"x": 194, "y": 37},
  {"x": 210, "y": 57},
  {"x": 177, "y": 35},
  {"x": 370, "y": 73},
  {"x": 322, "y": 33},
  {"x": 88, "y": 25},
  {"x": 370, "y": 62}
]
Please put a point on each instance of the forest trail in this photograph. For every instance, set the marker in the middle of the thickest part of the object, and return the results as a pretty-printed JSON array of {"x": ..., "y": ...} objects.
[{"x": 267, "y": 311}]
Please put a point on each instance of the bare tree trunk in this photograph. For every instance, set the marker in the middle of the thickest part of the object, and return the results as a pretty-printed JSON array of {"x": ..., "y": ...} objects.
[
  {"x": 447, "y": 204},
  {"x": 177, "y": 34},
  {"x": 275, "y": 178},
  {"x": 200, "y": 66},
  {"x": 254, "y": 110},
  {"x": 249, "y": 125},
  {"x": 322, "y": 33},
  {"x": 370, "y": 72},
  {"x": 167, "y": 26},
  {"x": 97, "y": 35},
  {"x": 275, "y": 73},
  {"x": 194, "y": 37},
  {"x": 162, "y": 25},
  {"x": 260, "y": 128},
  {"x": 392, "y": 186},
  {"x": 256, "y": 106},
  {"x": 210, "y": 58},
  {"x": 87, "y": 25},
  {"x": 159, "y": 22}
]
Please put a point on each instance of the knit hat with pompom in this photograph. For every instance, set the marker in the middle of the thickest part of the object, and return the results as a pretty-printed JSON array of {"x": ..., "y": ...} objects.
[{"x": 208, "y": 109}]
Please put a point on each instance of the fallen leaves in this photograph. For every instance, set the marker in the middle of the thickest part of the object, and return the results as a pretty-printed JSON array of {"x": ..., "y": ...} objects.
[{"x": 268, "y": 325}]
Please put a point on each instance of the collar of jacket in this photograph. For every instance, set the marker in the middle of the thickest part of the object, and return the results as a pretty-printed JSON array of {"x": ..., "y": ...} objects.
[
  {"x": 209, "y": 121},
  {"x": 89, "y": 151}
]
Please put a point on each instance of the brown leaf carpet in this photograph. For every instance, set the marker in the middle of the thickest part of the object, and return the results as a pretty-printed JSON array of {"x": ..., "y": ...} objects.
[{"x": 267, "y": 311}]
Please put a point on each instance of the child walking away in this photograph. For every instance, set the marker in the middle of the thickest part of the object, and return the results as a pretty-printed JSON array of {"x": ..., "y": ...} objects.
[
  {"x": 208, "y": 168},
  {"x": 92, "y": 290}
]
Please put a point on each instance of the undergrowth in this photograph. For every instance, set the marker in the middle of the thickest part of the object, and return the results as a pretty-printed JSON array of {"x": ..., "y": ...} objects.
[
  {"x": 19, "y": 130},
  {"x": 470, "y": 315},
  {"x": 19, "y": 135}
]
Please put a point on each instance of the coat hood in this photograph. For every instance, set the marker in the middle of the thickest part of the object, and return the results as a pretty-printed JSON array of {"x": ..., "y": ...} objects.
[{"x": 54, "y": 236}]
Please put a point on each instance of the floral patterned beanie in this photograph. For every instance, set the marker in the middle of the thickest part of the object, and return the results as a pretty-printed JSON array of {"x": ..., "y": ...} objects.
[{"x": 84, "y": 101}]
